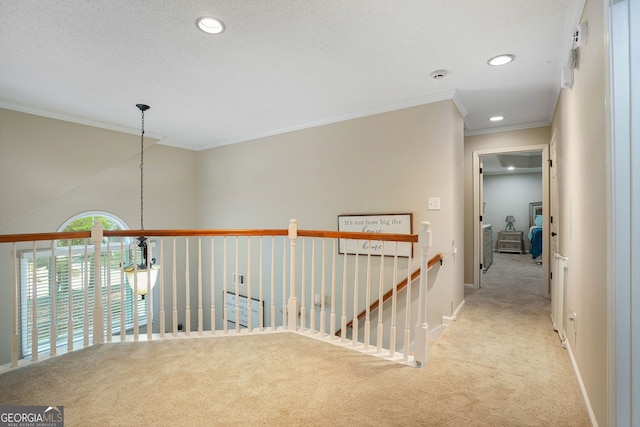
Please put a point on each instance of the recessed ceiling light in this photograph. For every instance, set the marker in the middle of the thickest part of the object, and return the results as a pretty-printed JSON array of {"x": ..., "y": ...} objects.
[
  {"x": 511, "y": 168},
  {"x": 210, "y": 25},
  {"x": 496, "y": 118},
  {"x": 501, "y": 59}
]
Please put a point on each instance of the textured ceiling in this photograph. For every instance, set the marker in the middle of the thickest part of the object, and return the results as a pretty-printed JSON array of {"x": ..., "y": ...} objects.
[{"x": 281, "y": 64}]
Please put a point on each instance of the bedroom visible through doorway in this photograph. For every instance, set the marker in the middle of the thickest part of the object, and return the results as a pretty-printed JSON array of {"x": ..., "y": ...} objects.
[{"x": 511, "y": 196}]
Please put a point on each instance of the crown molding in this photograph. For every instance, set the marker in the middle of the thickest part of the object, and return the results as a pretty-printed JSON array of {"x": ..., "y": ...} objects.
[{"x": 77, "y": 120}]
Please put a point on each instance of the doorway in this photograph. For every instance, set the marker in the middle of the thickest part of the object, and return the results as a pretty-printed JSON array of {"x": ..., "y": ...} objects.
[{"x": 510, "y": 220}]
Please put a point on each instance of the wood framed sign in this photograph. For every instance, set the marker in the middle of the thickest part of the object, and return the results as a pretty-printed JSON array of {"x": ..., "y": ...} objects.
[{"x": 383, "y": 223}]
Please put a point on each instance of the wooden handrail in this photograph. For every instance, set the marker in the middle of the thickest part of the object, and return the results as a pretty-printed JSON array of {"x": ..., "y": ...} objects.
[
  {"x": 8, "y": 238},
  {"x": 400, "y": 286}
]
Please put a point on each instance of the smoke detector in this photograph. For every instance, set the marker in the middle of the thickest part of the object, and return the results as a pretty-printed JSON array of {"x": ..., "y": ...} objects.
[
  {"x": 439, "y": 74},
  {"x": 579, "y": 36}
]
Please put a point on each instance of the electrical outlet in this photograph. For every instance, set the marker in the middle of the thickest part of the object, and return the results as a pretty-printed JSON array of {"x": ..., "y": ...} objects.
[{"x": 238, "y": 278}]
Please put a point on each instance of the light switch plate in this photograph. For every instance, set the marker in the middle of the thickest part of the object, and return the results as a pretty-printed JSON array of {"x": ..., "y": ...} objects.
[{"x": 433, "y": 204}]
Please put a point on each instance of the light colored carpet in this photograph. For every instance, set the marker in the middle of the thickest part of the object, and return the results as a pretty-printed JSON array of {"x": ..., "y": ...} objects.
[{"x": 499, "y": 364}]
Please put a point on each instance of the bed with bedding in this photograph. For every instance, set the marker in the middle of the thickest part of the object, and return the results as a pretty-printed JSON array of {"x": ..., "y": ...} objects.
[{"x": 535, "y": 237}]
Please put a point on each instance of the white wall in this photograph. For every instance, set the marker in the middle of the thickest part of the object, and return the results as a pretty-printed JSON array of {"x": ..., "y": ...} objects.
[
  {"x": 51, "y": 170},
  {"x": 510, "y": 194}
]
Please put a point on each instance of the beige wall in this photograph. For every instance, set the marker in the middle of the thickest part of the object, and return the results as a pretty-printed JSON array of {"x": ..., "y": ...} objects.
[
  {"x": 387, "y": 163},
  {"x": 51, "y": 170},
  {"x": 579, "y": 129},
  {"x": 493, "y": 141}
]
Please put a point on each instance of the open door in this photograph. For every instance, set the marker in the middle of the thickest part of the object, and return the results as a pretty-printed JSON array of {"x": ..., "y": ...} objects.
[
  {"x": 557, "y": 262},
  {"x": 554, "y": 202},
  {"x": 483, "y": 261},
  {"x": 478, "y": 210}
]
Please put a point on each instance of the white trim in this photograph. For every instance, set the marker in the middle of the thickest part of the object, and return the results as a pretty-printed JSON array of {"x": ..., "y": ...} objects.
[
  {"x": 622, "y": 96},
  {"x": 523, "y": 126},
  {"x": 435, "y": 333},
  {"x": 422, "y": 100},
  {"x": 583, "y": 389},
  {"x": 475, "y": 161},
  {"x": 447, "y": 320},
  {"x": 77, "y": 120}
]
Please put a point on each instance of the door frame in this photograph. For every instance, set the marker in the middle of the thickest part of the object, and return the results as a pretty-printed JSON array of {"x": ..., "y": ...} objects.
[{"x": 477, "y": 202}]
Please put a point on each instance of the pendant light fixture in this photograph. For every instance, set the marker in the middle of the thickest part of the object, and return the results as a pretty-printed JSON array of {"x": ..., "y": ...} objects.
[{"x": 142, "y": 277}]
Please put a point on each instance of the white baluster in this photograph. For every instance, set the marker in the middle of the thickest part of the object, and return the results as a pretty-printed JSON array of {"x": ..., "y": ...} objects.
[
  {"x": 394, "y": 304},
  {"x": 312, "y": 319},
  {"x": 135, "y": 295},
  {"x": 200, "y": 313},
  {"x": 175, "y": 291},
  {"x": 407, "y": 320},
  {"x": 225, "y": 309},
  {"x": 98, "y": 310},
  {"x": 273, "y": 283},
  {"x": 261, "y": 309},
  {"x": 343, "y": 322},
  {"x": 293, "y": 299},
  {"x": 14, "y": 316},
  {"x": 109, "y": 316},
  {"x": 162, "y": 319},
  {"x": 422, "y": 328},
  {"x": 187, "y": 312},
  {"x": 213, "y": 288},
  {"x": 380, "y": 330},
  {"x": 149, "y": 296},
  {"x": 34, "y": 305},
  {"x": 284, "y": 285},
  {"x": 332, "y": 319},
  {"x": 85, "y": 264},
  {"x": 248, "y": 286},
  {"x": 303, "y": 308},
  {"x": 354, "y": 324},
  {"x": 123, "y": 329},
  {"x": 236, "y": 286},
  {"x": 53, "y": 291},
  {"x": 367, "y": 321},
  {"x": 323, "y": 291},
  {"x": 70, "y": 303}
]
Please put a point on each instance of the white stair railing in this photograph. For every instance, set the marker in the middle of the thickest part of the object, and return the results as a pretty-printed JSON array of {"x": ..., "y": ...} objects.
[{"x": 249, "y": 304}]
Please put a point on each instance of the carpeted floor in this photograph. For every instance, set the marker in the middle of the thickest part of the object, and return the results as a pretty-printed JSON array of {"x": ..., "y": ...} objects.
[{"x": 499, "y": 364}]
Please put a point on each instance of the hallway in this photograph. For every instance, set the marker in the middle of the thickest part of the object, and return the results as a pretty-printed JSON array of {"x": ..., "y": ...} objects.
[{"x": 504, "y": 348}]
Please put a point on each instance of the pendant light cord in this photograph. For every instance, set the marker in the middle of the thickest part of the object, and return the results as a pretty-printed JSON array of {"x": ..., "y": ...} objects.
[
  {"x": 142, "y": 108},
  {"x": 142, "y": 173}
]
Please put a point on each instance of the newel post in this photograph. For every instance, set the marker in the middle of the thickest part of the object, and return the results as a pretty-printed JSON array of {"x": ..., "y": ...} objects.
[
  {"x": 422, "y": 328},
  {"x": 98, "y": 312},
  {"x": 292, "y": 306}
]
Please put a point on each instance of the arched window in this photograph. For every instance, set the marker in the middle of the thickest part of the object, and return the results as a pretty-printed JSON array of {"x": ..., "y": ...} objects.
[{"x": 66, "y": 288}]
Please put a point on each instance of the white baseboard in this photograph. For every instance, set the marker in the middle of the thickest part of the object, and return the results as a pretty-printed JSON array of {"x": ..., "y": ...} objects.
[
  {"x": 447, "y": 320},
  {"x": 435, "y": 333},
  {"x": 583, "y": 390},
  {"x": 469, "y": 285}
]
